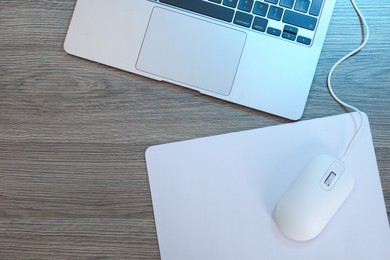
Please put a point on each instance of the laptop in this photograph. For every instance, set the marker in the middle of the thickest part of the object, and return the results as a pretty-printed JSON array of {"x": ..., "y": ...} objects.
[{"x": 259, "y": 54}]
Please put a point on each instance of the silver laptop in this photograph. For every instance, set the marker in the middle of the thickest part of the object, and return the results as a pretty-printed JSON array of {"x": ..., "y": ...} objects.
[{"x": 259, "y": 54}]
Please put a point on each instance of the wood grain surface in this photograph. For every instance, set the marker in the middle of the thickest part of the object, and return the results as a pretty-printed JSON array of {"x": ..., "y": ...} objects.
[{"x": 73, "y": 180}]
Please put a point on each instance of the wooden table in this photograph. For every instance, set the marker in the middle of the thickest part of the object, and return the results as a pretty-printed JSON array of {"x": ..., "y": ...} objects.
[{"x": 73, "y": 180}]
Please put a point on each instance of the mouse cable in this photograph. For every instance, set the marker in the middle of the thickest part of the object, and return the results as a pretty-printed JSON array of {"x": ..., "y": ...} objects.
[{"x": 365, "y": 34}]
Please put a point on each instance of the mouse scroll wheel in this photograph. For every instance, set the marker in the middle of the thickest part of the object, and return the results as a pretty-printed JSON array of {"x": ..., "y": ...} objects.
[{"x": 331, "y": 176}]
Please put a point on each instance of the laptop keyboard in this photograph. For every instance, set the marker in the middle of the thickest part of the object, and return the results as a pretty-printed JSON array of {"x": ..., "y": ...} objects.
[{"x": 293, "y": 20}]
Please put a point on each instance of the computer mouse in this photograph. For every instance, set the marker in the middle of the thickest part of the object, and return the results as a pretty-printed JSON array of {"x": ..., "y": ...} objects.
[{"x": 313, "y": 198}]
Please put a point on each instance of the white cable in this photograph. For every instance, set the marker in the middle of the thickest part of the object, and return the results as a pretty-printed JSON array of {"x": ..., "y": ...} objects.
[{"x": 366, "y": 33}]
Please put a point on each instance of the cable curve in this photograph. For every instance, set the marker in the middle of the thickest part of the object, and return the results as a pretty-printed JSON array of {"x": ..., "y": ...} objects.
[{"x": 365, "y": 34}]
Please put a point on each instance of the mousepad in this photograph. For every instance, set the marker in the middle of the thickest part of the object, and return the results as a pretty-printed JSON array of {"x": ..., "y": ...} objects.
[{"x": 213, "y": 197}]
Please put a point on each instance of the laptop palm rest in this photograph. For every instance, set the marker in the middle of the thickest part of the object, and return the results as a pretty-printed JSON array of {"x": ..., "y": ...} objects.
[{"x": 191, "y": 51}]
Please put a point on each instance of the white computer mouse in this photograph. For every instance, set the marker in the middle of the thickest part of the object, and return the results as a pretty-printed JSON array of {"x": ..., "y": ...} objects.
[{"x": 314, "y": 198}]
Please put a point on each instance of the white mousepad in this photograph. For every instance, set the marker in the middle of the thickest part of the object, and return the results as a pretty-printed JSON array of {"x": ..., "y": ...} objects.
[{"x": 213, "y": 197}]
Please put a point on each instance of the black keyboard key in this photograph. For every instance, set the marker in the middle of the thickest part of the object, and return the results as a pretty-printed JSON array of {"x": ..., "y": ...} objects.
[
  {"x": 260, "y": 8},
  {"x": 260, "y": 24},
  {"x": 275, "y": 13},
  {"x": 216, "y": 1},
  {"x": 304, "y": 40},
  {"x": 300, "y": 20},
  {"x": 205, "y": 8},
  {"x": 302, "y": 5},
  {"x": 315, "y": 8},
  {"x": 274, "y": 31},
  {"x": 290, "y": 32},
  {"x": 286, "y": 3},
  {"x": 290, "y": 29},
  {"x": 230, "y": 3},
  {"x": 272, "y": 1},
  {"x": 245, "y": 5},
  {"x": 289, "y": 36},
  {"x": 243, "y": 19}
]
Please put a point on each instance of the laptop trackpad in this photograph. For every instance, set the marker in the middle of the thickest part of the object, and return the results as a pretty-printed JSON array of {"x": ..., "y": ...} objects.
[{"x": 191, "y": 51}]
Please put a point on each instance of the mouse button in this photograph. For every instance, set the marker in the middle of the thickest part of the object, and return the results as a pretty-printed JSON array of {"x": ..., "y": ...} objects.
[
  {"x": 344, "y": 185},
  {"x": 331, "y": 176}
]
